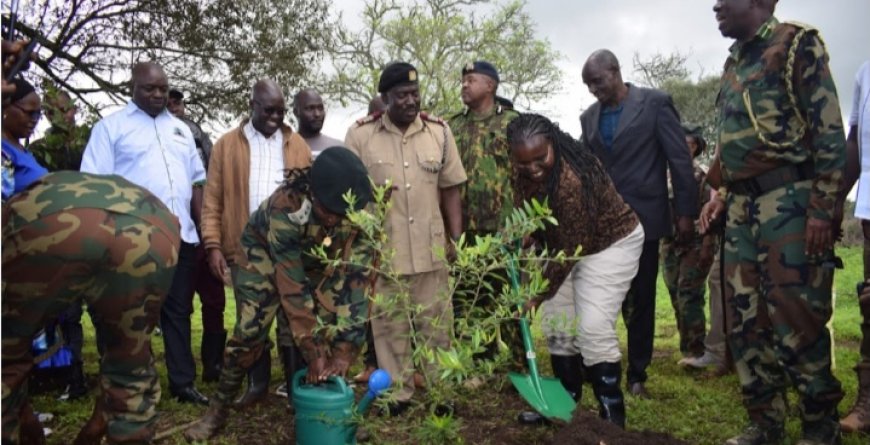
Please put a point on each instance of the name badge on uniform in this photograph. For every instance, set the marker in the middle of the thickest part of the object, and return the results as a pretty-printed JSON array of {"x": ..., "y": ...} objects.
[{"x": 301, "y": 216}]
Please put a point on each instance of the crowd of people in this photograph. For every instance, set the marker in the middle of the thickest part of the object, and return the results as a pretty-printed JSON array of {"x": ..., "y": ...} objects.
[{"x": 152, "y": 213}]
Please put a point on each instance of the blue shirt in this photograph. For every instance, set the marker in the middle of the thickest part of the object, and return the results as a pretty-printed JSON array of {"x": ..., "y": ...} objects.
[
  {"x": 20, "y": 169},
  {"x": 607, "y": 124},
  {"x": 157, "y": 153}
]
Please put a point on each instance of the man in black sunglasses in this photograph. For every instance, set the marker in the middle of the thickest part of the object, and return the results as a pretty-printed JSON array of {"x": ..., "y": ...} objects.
[{"x": 247, "y": 164}]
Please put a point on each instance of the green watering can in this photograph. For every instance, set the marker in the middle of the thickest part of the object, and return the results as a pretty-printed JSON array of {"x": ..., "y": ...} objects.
[{"x": 324, "y": 412}]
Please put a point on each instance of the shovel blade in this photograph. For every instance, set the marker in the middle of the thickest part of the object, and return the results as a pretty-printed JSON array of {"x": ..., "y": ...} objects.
[{"x": 551, "y": 399}]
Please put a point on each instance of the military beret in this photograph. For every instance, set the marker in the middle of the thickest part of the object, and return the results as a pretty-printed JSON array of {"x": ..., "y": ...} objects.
[
  {"x": 335, "y": 171},
  {"x": 397, "y": 73},
  {"x": 481, "y": 67},
  {"x": 176, "y": 94}
]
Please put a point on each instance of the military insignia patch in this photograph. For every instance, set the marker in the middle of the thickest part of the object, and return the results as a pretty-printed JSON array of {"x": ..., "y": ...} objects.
[
  {"x": 412, "y": 76},
  {"x": 469, "y": 66}
]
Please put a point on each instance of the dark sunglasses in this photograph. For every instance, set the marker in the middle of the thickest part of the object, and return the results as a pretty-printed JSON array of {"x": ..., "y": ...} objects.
[{"x": 271, "y": 110}]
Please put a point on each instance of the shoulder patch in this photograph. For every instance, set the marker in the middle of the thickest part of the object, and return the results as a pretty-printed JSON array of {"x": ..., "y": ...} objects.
[
  {"x": 430, "y": 118},
  {"x": 370, "y": 118}
]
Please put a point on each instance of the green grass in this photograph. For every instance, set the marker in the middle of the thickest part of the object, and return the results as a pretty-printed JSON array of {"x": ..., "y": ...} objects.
[{"x": 701, "y": 411}]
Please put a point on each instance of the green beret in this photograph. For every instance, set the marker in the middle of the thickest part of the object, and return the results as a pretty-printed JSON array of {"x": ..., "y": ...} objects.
[
  {"x": 481, "y": 67},
  {"x": 335, "y": 171},
  {"x": 397, "y": 73}
]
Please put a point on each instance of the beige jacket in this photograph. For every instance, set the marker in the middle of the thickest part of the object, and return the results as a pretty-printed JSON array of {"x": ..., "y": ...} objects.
[{"x": 225, "y": 211}]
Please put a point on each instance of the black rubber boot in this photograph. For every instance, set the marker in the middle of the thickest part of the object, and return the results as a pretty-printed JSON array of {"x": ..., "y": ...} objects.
[
  {"x": 258, "y": 380},
  {"x": 605, "y": 379},
  {"x": 293, "y": 362},
  {"x": 569, "y": 370},
  {"x": 211, "y": 352}
]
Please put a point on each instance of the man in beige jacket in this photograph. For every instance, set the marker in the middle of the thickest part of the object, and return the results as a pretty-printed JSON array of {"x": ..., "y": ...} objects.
[{"x": 247, "y": 165}]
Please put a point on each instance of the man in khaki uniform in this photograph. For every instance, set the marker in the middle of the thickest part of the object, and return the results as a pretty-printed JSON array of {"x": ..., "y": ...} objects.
[{"x": 418, "y": 155}]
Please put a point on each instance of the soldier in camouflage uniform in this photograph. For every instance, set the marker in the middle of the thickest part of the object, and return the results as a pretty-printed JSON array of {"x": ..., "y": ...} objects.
[
  {"x": 487, "y": 197},
  {"x": 305, "y": 213},
  {"x": 782, "y": 155},
  {"x": 74, "y": 236},
  {"x": 685, "y": 265}
]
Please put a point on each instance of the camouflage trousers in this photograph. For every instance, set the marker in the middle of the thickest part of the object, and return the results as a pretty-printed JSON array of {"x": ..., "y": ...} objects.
[
  {"x": 685, "y": 277},
  {"x": 122, "y": 266},
  {"x": 780, "y": 301}
]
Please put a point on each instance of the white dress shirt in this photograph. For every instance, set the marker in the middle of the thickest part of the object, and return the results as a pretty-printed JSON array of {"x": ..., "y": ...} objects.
[
  {"x": 157, "y": 153},
  {"x": 267, "y": 165},
  {"x": 861, "y": 117}
]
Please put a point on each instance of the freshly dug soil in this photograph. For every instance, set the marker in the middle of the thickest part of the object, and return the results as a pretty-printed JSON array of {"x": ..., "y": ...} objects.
[{"x": 586, "y": 428}]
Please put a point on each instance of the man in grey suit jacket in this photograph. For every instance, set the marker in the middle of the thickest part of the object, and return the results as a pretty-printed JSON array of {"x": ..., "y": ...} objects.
[{"x": 636, "y": 134}]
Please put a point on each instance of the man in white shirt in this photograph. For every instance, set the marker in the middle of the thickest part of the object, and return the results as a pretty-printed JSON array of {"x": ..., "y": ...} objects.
[
  {"x": 247, "y": 164},
  {"x": 858, "y": 166},
  {"x": 150, "y": 147},
  {"x": 310, "y": 113}
]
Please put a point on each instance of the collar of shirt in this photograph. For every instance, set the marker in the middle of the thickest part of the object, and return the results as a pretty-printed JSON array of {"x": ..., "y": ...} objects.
[
  {"x": 416, "y": 126},
  {"x": 132, "y": 108},
  {"x": 253, "y": 134},
  {"x": 764, "y": 32}
]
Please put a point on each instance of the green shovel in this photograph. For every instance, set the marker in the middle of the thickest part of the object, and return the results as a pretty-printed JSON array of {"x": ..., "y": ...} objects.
[{"x": 546, "y": 394}]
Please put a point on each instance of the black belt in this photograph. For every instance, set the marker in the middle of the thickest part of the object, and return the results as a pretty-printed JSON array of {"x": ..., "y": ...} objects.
[{"x": 773, "y": 179}]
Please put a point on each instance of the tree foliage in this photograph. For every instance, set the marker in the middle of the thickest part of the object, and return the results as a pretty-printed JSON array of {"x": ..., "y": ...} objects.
[
  {"x": 695, "y": 99},
  {"x": 212, "y": 49},
  {"x": 439, "y": 37}
]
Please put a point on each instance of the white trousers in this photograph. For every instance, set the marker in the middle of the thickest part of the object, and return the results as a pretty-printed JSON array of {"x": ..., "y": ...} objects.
[{"x": 581, "y": 317}]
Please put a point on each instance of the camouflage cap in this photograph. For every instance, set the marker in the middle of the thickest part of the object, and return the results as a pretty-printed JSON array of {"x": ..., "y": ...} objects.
[
  {"x": 335, "y": 171},
  {"x": 395, "y": 74},
  {"x": 481, "y": 67}
]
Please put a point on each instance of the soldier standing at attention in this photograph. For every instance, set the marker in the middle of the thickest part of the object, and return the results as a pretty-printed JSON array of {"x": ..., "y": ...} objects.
[
  {"x": 781, "y": 160},
  {"x": 307, "y": 211},
  {"x": 74, "y": 236},
  {"x": 417, "y": 154},
  {"x": 487, "y": 197}
]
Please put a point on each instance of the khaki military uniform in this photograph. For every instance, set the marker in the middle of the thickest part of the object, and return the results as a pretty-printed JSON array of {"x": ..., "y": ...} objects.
[{"x": 419, "y": 162}]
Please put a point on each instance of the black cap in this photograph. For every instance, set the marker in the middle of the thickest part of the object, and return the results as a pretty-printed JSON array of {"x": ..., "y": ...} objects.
[
  {"x": 481, "y": 67},
  {"x": 397, "y": 73},
  {"x": 176, "y": 94},
  {"x": 335, "y": 171}
]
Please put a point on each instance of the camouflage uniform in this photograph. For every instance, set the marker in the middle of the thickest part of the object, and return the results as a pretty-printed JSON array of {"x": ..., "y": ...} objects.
[
  {"x": 279, "y": 270},
  {"x": 71, "y": 236},
  {"x": 776, "y": 118},
  {"x": 487, "y": 200},
  {"x": 684, "y": 276}
]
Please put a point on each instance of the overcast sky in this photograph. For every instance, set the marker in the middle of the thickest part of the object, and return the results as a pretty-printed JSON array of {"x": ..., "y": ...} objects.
[{"x": 576, "y": 28}]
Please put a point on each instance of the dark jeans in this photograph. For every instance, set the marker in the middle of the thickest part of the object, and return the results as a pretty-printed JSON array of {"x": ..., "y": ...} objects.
[
  {"x": 639, "y": 313},
  {"x": 211, "y": 293},
  {"x": 175, "y": 321}
]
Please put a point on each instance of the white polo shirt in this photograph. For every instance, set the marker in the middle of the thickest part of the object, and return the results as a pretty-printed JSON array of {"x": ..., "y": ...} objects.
[{"x": 157, "y": 153}]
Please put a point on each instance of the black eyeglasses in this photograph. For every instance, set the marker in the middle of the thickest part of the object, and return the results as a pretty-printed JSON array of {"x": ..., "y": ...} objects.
[
  {"x": 34, "y": 114},
  {"x": 271, "y": 110}
]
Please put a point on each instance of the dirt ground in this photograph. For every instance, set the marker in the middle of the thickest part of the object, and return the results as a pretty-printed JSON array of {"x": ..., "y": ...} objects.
[{"x": 586, "y": 428}]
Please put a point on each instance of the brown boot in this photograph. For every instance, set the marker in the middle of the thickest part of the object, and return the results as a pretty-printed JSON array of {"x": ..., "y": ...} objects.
[
  {"x": 214, "y": 419},
  {"x": 93, "y": 431},
  {"x": 859, "y": 418}
]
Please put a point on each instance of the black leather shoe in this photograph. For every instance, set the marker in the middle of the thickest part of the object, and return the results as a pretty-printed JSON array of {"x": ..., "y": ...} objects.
[
  {"x": 189, "y": 394},
  {"x": 531, "y": 418},
  {"x": 445, "y": 409},
  {"x": 395, "y": 409},
  {"x": 638, "y": 389}
]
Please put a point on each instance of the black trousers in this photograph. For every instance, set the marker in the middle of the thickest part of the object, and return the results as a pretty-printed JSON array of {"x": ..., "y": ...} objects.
[
  {"x": 639, "y": 313},
  {"x": 175, "y": 321}
]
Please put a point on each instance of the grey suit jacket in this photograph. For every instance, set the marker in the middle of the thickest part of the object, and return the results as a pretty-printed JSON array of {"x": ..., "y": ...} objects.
[{"x": 648, "y": 140}]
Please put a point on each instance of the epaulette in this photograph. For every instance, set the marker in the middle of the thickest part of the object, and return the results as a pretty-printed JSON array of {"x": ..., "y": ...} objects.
[
  {"x": 429, "y": 118},
  {"x": 801, "y": 25},
  {"x": 370, "y": 118}
]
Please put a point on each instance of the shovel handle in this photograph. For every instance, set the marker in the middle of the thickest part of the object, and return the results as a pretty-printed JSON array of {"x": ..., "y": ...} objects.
[{"x": 529, "y": 347}]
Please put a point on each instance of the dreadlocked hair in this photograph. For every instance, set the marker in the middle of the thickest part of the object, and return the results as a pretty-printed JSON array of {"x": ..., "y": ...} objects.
[
  {"x": 297, "y": 180},
  {"x": 565, "y": 148}
]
